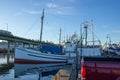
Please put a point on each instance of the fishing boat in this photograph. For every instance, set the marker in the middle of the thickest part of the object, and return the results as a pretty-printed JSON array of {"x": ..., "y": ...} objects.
[
  {"x": 29, "y": 56},
  {"x": 77, "y": 47},
  {"x": 112, "y": 49},
  {"x": 45, "y": 54}
]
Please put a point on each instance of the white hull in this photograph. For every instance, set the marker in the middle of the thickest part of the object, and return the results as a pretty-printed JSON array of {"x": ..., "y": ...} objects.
[
  {"x": 27, "y": 60},
  {"x": 29, "y": 56}
]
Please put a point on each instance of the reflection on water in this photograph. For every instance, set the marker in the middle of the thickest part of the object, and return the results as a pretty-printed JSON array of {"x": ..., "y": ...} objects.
[
  {"x": 9, "y": 75},
  {"x": 30, "y": 76},
  {"x": 26, "y": 71},
  {"x": 36, "y": 71},
  {"x": 6, "y": 58},
  {"x": 21, "y": 69},
  {"x": 6, "y": 69}
]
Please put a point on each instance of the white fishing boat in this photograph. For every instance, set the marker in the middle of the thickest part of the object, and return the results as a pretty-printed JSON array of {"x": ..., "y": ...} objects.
[
  {"x": 46, "y": 55},
  {"x": 31, "y": 56},
  {"x": 78, "y": 46},
  {"x": 112, "y": 49}
]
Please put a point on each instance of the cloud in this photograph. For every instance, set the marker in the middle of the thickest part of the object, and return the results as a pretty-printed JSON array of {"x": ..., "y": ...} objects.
[
  {"x": 50, "y": 8},
  {"x": 34, "y": 12},
  {"x": 51, "y": 5},
  {"x": 65, "y": 10},
  {"x": 31, "y": 11},
  {"x": 60, "y": 10},
  {"x": 25, "y": 11}
]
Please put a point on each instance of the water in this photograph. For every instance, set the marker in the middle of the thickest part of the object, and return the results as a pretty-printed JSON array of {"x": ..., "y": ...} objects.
[
  {"x": 6, "y": 70},
  {"x": 26, "y": 71},
  {"x": 35, "y": 76},
  {"x": 9, "y": 75},
  {"x": 6, "y": 58},
  {"x": 36, "y": 71}
]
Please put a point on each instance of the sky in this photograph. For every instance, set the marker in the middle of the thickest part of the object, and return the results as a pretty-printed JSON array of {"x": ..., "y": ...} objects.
[{"x": 23, "y": 18}]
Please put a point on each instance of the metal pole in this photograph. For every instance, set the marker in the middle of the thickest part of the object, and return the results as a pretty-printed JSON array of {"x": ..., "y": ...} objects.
[
  {"x": 42, "y": 18},
  {"x": 8, "y": 49},
  {"x": 8, "y": 52},
  {"x": 81, "y": 44},
  {"x": 85, "y": 27},
  {"x": 93, "y": 37},
  {"x": 77, "y": 60},
  {"x": 60, "y": 37},
  {"x": 7, "y": 26}
]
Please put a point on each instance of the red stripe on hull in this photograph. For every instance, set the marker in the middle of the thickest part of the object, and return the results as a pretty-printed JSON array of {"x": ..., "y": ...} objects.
[{"x": 26, "y": 61}]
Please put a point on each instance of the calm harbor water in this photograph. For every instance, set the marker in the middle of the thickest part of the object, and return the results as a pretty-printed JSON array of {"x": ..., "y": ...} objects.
[
  {"x": 6, "y": 70},
  {"x": 35, "y": 71},
  {"x": 6, "y": 58},
  {"x": 37, "y": 76},
  {"x": 26, "y": 71},
  {"x": 9, "y": 75}
]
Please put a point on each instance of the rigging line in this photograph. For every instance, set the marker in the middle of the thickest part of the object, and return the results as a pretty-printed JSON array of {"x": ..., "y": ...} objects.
[
  {"x": 97, "y": 37},
  {"x": 30, "y": 28},
  {"x": 89, "y": 31}
]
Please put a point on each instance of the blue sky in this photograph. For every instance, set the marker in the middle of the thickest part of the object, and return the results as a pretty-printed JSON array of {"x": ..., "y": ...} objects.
[{"x": 23, "y": 17}]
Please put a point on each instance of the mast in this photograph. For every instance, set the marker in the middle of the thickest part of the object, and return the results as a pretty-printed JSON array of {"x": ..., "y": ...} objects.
[
  {"x": 92, "y": 33},
  {"x": 109, "y": 39},
  {"x": 7, "y": 26},
  {"x": 85, "y": 27},
  {"x": 60, "y": 37},
  {"x": 42, "y": 18},
  {"x": 81, "y": 42},
  {"x": 93, "y": 36}
]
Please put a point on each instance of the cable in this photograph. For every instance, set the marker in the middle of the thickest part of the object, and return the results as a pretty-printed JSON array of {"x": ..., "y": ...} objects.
[{"x": 30, "y": 27}]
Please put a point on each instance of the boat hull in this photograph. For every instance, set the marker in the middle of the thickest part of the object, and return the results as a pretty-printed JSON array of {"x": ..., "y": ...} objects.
[
  {"x": 28, "y": 60},
  {"x": 28, "y": 56}
]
